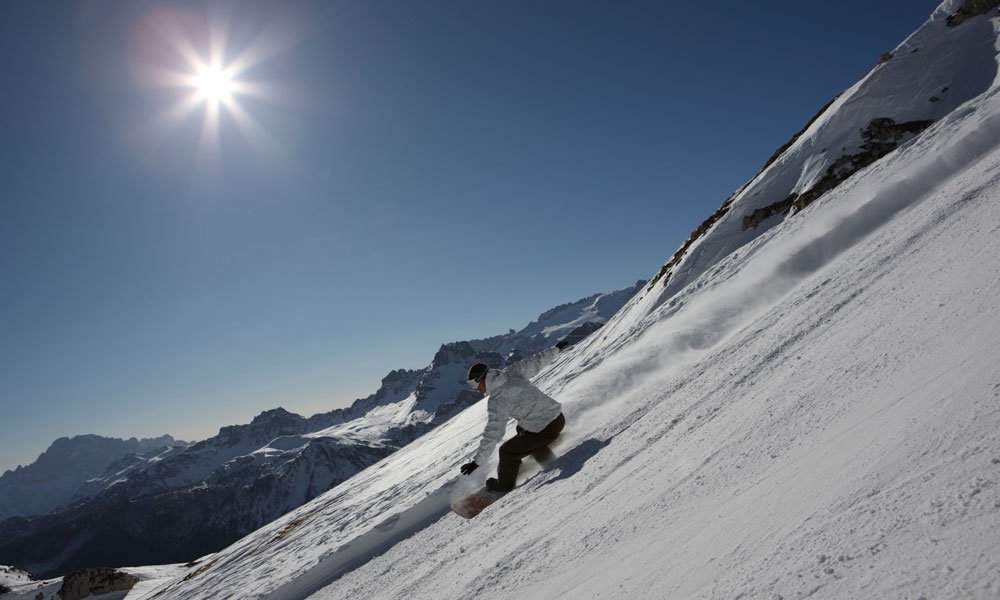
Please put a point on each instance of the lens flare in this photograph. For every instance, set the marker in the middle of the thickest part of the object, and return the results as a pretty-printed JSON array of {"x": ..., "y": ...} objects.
[{"x": 205, "y": 72}]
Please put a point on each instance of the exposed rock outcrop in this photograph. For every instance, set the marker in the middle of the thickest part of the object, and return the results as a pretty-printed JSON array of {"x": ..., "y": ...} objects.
[
  {"x": 881, "y": 137},
  {"x": 94, "y": 582},
  {"x": 581, "y": 332},
  {"x": 972, "y": 8},
  {"x": 664, "y": 274}
]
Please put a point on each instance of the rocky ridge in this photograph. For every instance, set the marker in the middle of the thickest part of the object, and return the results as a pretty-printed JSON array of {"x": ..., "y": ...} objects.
[
  {"x": 95, "y": 582},
  {"x": 849, "y": 134},
  {"x": 882, "y": 136},
  {"x": 972, "y": 8}
]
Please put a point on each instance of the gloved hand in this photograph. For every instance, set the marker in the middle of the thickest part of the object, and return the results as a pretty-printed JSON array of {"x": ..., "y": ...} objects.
[{"x": 468, "y": 468}]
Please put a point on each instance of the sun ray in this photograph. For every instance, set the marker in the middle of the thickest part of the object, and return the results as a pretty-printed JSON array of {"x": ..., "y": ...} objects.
[
  {"x": 217, "y": 41},
  {"x": 261, "y": 91},
  {"x": 271, "y": 42},
  {"x": 208, "y": 142},
  {"x": 169, "y": 30},
  {"x": 168, "y": 121},
  {"x": 252, "y": 131},
  {"x": 182, "y": 109}
]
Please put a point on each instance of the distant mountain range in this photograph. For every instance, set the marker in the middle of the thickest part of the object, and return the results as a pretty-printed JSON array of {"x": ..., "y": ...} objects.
[
  {"x": 99, "y": 501},
  {"x": 60, "y": 473}
]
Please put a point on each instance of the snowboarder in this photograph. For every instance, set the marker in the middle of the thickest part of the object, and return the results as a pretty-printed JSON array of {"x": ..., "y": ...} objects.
[{"x": 513, "y": 396}]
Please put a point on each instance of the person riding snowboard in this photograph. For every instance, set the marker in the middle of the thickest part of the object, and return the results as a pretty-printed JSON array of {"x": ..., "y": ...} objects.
[{"x": 513, "y": 396}]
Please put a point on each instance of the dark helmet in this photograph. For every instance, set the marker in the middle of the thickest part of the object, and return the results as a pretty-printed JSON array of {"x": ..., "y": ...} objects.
[{"x": 478, "y": 372}]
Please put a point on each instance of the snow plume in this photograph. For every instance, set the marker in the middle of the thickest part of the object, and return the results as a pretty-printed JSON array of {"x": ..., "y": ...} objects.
[{"x": 694, "y": 322}]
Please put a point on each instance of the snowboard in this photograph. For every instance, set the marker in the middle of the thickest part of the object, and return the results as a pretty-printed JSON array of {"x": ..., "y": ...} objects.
[{"x": 475, "y": 503}]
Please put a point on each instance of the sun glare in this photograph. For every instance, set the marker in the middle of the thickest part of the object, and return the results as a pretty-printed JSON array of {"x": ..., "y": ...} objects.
[
  {"x": 182, "y": 52},
  {"x": 214, "y": 84}
]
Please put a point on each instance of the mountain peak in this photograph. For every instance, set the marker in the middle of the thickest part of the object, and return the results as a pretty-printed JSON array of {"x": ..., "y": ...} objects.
[
  {"x": 454, "y": 351},
  {"x": 272, "y": 414}
]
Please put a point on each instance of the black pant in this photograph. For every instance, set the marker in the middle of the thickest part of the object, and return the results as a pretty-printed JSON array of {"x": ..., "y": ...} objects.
[{"x": 523, "y": 444}]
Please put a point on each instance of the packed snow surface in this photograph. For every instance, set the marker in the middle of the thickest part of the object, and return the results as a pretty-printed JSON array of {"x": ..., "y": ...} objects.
[{"x": 816, "y": 415}]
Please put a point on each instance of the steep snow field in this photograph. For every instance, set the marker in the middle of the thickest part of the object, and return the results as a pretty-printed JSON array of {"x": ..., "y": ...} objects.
[
  {"x": 814, "y": 414},
  {"x": 933, "y": 72},
  {"x": 842, "y": 442}
]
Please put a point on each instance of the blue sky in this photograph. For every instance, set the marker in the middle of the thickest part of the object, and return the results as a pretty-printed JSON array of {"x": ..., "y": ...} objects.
[{"x": 417, "y": 173}]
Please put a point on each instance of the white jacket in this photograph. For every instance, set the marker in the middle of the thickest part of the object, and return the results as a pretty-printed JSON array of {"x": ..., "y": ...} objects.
[{"x": 513, "y": 396}]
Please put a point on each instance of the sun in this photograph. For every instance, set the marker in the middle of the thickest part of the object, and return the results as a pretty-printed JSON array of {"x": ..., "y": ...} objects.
[
  {"x": 204, "y": 73},
  {"x": 213, "y": 84}
]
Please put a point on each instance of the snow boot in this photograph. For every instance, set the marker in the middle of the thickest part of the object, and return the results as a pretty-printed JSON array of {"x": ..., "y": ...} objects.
[{"x": 494, "y": 486}]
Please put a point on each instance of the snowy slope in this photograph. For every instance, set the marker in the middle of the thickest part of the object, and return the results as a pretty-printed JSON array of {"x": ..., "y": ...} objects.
[
  {"x": 841, "y": 440},
  {"x": 815, "y": 414}
]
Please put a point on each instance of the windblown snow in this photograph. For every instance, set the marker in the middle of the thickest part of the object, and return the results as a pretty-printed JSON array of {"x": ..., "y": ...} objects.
[{"x": 809, "y": 410}]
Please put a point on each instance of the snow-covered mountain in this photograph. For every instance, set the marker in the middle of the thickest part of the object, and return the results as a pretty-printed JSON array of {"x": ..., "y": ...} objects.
[
  {"x": 557, "y": 323},
  {"x": 802, "y": 404},
  {"x": 179, "y": 504},
  {"x": 56, "y": 477},
  {"x": 928, "y": 76}
]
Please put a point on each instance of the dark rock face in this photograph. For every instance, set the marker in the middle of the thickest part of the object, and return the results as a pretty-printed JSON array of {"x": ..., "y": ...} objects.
[
  {"x": 581, "y": 332},
  {"x": 4, "y": 590},
  {"x": 94, "y": 582},
  {"x": 972, "y": 8},
  {"x": 457, "y": 352},
  {"x": 881, "y": 137}
]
